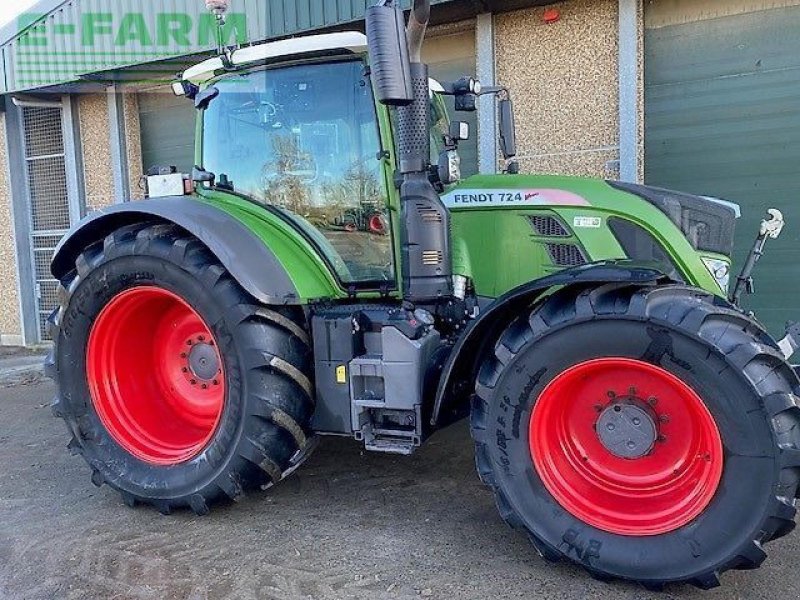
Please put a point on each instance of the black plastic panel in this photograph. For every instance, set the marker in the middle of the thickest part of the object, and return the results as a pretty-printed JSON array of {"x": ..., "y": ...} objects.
[{"x": 708, "y": 225}]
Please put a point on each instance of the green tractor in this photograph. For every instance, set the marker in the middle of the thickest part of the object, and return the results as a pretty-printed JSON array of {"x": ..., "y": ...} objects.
[{"x": 331, "y": 275}]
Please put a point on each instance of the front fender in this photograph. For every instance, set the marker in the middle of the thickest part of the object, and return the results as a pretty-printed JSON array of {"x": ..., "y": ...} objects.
[
  {"x": 248, "y": 259},
  {"x": 455, "y": 384}
]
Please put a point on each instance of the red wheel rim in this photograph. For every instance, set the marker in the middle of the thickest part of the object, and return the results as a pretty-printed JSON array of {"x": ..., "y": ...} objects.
[
  {"x": 156, "y": 378},
  {"x": 377, "y": 224},
  {"x": 579, "y": 456}
]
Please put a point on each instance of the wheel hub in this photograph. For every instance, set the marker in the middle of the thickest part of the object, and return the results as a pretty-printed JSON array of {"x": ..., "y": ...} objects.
[
  {"x": 627, "y": 430},
  {"x": 203, "y": 361}
]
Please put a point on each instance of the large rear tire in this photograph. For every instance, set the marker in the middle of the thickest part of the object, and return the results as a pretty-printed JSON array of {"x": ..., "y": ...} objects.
[
  {"x": 649, "y": 434},
  {"x": 178, "y": 388}
]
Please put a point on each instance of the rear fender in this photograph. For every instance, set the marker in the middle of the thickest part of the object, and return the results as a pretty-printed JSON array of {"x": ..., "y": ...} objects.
[
  {"x": 254, "y": 266},
  {"x": 456, "y": 384}
]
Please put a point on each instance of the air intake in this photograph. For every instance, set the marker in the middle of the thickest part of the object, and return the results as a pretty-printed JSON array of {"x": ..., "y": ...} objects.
[
  {"x": 566, "y": 255},
  {"x": 547, "y": 226}
]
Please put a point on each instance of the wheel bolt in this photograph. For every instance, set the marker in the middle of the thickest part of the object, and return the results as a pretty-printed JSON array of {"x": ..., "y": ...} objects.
[
  {"x": 631, "y": 444},
  {"x": 185, "y": 370},
  {"x": 183, "y": 355},
  {"x": 188, "y": 342},
  {"x": 201, "y": 338},
  {"x": 611, "y": 394},
  {"x": 631, "y": 391},
  {"x": 193, "y": 382},
  {"x": 204, "y": 386},
  {"x": 637, "y": 421},
  {"x": 610, "y": 427},
  {"x": 663, "y": 418},
  {"x": 652, "y": 401}
]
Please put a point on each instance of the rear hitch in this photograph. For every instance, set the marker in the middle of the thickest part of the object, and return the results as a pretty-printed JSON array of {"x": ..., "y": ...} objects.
[{"x": 771, "y": 228}]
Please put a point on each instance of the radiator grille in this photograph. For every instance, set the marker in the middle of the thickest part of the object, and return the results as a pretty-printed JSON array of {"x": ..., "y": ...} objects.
[
  {"x": 566, "y": 255},
  {"x": 547, "y": 226}
]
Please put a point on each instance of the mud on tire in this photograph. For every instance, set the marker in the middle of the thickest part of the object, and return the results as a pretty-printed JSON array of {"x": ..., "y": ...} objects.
[
  {"x": 725, "y": 357},
  {"x": 263, "y": 430}
]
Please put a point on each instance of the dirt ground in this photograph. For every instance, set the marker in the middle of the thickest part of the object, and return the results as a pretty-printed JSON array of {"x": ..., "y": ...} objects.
[{"x": 347, "y": 525}]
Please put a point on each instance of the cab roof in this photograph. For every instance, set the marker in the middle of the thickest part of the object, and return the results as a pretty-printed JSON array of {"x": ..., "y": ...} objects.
[{"x": 350, "y": 41}]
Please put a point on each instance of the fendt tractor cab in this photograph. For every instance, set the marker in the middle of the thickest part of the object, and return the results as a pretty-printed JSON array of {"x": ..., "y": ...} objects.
[{"x": 331, "y": 274}]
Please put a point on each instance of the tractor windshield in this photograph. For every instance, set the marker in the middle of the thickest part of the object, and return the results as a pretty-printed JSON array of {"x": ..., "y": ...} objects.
[{"x": 304, "y": 139}]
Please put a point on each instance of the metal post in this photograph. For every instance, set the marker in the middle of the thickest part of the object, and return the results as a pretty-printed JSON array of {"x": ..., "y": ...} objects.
[
  {"x": 21, "y": 214},
  {"x": 487, "y": 107},
  {"x": 73, "y": 159},
  {"x": 629, "y": 90},
  {"x": 119, "y": 150}
]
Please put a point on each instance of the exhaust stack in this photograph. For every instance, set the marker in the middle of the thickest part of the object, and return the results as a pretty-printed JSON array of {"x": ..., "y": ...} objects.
[{"x": 417, "y": 26}]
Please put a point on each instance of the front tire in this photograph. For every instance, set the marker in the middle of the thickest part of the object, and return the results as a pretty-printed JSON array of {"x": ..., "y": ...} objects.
[
  {"x": 178, "y": 389},
  {"x": 708, "y": 474}
]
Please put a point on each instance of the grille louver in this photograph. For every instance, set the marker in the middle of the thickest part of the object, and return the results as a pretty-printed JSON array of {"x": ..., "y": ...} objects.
[
  {"x": 547, "y": 226},
  {"x": 566, "y": 255}
]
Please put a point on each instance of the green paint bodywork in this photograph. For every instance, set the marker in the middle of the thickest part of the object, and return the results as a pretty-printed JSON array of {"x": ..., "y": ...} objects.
[
  {"x": 309, "y": 273},
  {"x": 499, "y": 250},
  {"x": 496, "y": 247}
]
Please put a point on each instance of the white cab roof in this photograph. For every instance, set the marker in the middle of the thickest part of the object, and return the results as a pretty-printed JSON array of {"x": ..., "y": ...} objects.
[{"x": 352, "y": 41}]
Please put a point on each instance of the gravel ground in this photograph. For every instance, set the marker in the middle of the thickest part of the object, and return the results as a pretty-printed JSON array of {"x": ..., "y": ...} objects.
[{"x": 347, "y": 525}]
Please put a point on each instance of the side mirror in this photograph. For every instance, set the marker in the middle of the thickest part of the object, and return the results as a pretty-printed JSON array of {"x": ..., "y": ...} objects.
[
  {"x": 204, "y": 98},
  {"x": 508, "y": 129},
  {"x": 390, "y": 66}
]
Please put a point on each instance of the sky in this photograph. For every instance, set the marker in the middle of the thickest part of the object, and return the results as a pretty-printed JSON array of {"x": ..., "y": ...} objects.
[{"x": 9, "y": 9}]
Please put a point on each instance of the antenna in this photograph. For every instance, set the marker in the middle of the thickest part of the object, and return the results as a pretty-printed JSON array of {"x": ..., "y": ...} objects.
[{"x": 219, "y": 8}]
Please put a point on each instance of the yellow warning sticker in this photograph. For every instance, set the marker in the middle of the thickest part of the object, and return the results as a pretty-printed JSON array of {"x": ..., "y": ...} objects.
[{"x": 341, "y": 374}]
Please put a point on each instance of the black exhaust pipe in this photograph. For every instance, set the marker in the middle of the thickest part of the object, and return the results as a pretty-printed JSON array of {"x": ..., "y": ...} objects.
[
  {"x": 417, "y": 26},
  {"x": 427, "y": 264},
  {"x": 396, "y": 56}
]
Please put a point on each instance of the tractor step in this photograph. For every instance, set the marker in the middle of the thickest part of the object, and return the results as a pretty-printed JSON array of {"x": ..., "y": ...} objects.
[{"x": 389, "y": 441}]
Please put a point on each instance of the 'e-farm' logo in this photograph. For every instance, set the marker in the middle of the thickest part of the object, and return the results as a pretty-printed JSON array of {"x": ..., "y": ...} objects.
[{"x": 134, "y": 31}]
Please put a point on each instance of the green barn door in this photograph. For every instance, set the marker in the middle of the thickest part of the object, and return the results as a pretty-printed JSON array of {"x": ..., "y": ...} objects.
[
  {"x": 168, "y": 130},
  {"x": 722, "y": 113}
]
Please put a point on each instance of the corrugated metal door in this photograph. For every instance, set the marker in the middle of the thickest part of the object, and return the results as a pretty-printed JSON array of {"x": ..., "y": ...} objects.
[
  {"x": 50, "y": 214},
  {"x": 723, "y": 119},
  {"x": 168, "y": 130}
]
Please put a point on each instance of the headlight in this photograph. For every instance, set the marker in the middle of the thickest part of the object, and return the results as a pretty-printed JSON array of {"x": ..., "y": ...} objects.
[{"x": 720, "y": 270}]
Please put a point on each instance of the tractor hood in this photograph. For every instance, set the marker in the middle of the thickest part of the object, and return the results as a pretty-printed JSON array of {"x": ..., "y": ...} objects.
[
  {"x": 708, "y": 223},
  {"x": 509, "y": 229}
]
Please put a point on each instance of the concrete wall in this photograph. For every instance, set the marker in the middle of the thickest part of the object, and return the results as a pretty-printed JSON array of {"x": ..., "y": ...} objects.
[
  {"x": 96, "y": 146},
  {"x": 10, "y": 323},
  {"x": 133, "y": 137},
  {"x": 563, "y": 77}
]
